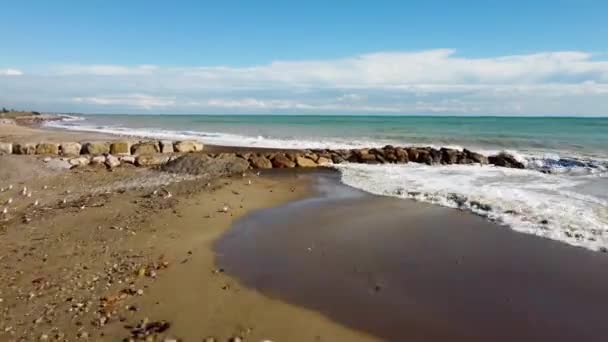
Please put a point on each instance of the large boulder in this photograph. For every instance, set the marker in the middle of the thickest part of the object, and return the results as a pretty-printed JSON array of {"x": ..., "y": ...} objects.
[
  {"x": 166, "y": 146},
  {"x": 24, "y": 148},
  {"x": 259, "y": 162},
  {"x": 506, "y": 160},
  {"x": 449, "y": 156},
  {"x": 120, "y": 148},
  {"x": 151, "y": 159},
  {"x": 435, "y": 155},
  {"x": 6, "y": 148},
  {"x": 412, "y": 154},
  {"x": 280, "y": 161},
  {"x": 96, "y": 148},
  {"x": 47, "y": 148},
  {"x": 302, "y": 161},
  {"x": 70, "y": 148},
  {"x": 337, "y": 158},
  {"x": 188, "y": 146},
  {"x": 365, "y": 156},
  {"x": 401, "y": 155},
  {"x": 202, "y": 164},
  {"x": 424, "y": 156},
  {"x": 149, "y": 147},
  {"x": 470, "y": 157},
  {"x": 324, "y": 161}
]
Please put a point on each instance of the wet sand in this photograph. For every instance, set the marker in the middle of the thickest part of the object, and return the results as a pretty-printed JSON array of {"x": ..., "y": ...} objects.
[{"x": 406, "y": 271}]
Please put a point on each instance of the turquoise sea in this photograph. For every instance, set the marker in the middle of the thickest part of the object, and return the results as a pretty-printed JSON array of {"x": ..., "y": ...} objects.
[
  {"x": 562, "y": 194},
  {"x": 579, "y": 136}
]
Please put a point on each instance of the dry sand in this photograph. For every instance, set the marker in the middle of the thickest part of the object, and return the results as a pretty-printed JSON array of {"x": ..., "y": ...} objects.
[{"x": 103, "y": 250}]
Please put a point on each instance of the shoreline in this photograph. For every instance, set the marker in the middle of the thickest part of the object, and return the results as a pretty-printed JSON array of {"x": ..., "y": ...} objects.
[
  {"x": 422, "y": 272},
  {"x": 139, "y": 245}
]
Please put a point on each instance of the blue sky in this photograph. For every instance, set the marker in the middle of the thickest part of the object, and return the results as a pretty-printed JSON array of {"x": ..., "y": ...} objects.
[{"x": 410, "y": 57}]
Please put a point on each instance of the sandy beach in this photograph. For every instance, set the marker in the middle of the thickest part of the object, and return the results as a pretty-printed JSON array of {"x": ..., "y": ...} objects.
[
  {"x": 285, "y": 255},
  {"x": 102, "y": 250}
]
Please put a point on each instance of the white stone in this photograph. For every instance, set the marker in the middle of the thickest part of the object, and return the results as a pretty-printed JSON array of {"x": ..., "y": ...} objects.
[
  {"x": 128, "y": 159},
  {"x": 98, "y": 160},
  {"x": 6, "y": 148},
  {"x": 112, "y": 161},
  {"x": 80, "y": 161},
  {"x": 188, "y": 146},
  {"x": 70, "y": 148}
]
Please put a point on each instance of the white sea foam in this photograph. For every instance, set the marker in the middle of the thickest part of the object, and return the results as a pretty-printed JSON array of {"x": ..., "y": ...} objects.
[
  {"x": 554, "y": 206},
  {"x": 223, "y": 139}
]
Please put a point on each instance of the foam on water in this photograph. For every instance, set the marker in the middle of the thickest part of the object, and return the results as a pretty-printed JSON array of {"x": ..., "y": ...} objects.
[
  {"x": 554, "y": 206},
  {"x": 561, "y": 196},
  {"x": 223, "y": 139}
]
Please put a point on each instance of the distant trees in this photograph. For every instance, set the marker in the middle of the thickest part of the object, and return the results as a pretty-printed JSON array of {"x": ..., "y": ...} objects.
[{"x": 4, "y": 110}]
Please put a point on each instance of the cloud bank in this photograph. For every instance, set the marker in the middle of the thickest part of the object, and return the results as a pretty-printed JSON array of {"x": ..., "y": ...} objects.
[
  {"x": 10, "y": 72},
  {"x": 433, "y": 81}
]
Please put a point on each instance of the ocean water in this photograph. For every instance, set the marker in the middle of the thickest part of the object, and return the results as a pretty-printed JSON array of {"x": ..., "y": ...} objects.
[{"x": 562, "y": 194}]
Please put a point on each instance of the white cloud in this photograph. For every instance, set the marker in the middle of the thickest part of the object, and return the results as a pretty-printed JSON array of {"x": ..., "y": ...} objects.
[
  {"x": 131, "y": 100},
  {"x": 104, "y": 70},
  {"x": 432, "y": 81},
  {"x": 10, "y": 72},
  {"x": 273, "y": 104}
]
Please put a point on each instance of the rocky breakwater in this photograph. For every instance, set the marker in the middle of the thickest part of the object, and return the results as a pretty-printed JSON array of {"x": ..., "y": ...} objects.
[{"x": 155, "y": 153}]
